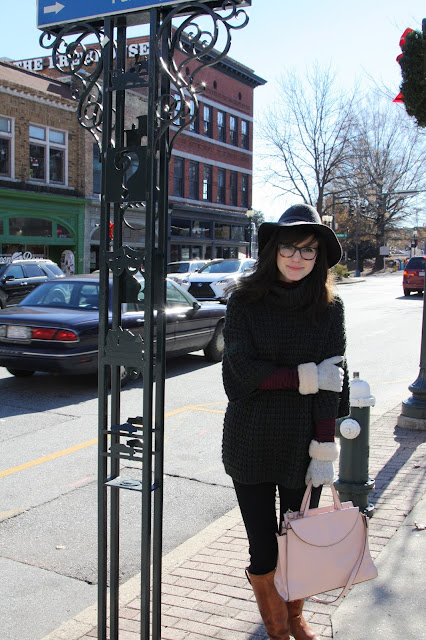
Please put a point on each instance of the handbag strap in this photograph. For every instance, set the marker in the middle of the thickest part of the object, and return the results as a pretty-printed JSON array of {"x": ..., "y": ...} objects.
[
  {"x": 353, "y": 572},
  {"x": 304, "y": 507}
]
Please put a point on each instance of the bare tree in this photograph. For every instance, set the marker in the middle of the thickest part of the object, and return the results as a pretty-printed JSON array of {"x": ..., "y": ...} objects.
[
  {"x": 385, "y": 171},
  {"x": 307, "y": 135}
]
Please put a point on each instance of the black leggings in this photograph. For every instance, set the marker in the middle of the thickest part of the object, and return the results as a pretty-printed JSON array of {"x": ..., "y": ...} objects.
[{"x": 257, "y": 505}]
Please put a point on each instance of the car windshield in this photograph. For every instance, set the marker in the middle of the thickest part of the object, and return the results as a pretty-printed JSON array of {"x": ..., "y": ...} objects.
[
  {"x": 178, "y": 267},
  {"x": 222, "y": 267},
  {"x": 52, "y": 267},
  {"x": 416, "y": 263},
  {"x": 69, "y": 295}
]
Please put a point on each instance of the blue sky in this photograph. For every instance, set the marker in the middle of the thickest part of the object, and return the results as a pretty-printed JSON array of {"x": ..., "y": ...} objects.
[{"x": 359, "y": 39}]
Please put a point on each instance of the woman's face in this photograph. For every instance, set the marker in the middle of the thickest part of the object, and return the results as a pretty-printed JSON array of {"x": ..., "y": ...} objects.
[{"x": 295, "y": 268}]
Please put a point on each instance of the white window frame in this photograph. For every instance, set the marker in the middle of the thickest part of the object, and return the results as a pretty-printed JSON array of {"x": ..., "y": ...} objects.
[
  {"x": 11, "y": 137},
  {"x": 48, "y": 145}
]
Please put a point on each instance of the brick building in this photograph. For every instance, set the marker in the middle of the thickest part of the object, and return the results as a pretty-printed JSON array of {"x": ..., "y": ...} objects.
[
  {"x": 42, "y": 205},
  {"x": 210, "y": 177}
]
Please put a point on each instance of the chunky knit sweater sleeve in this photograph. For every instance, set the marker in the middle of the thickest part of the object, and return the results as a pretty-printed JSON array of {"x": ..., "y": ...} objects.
[
  {"x": 240, "y": 361},
  {"x": 334, "y": 344}
]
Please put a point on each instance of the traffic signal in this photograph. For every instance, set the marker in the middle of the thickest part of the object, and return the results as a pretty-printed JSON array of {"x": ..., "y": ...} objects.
[{"x": 351, "y": 207}]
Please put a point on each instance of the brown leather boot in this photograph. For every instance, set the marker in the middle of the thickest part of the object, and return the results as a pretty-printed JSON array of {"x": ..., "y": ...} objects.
[
  {"x": 299, "y": 628},
  {"x": 271, "y": 606}
]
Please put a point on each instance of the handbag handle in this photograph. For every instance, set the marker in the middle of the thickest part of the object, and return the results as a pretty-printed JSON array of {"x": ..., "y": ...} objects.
[
  {"x": 304, "y": 507},
  {"x": 353, "y": 572}
]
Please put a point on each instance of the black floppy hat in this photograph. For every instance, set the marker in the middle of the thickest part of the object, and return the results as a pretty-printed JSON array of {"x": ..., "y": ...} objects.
[{"x": 303, "y": 215}]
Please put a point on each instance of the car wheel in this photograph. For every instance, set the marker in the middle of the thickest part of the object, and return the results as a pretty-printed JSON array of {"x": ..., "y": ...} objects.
[
  {"x": 406, "y": 292},
  {"x": 214, "y": 350},
  {"x": 21, "y": 373}
]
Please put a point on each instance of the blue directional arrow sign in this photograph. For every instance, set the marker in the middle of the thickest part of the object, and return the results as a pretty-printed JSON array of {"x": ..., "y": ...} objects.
[{"x": 54, "y": 13}]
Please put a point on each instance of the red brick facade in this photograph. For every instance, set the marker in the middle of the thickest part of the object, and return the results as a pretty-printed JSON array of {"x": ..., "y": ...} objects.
[{"x": 206, "y": 222}]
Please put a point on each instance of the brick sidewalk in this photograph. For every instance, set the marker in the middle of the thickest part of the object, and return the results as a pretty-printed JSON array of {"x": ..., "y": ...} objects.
[{"x": 206, "y": 595}]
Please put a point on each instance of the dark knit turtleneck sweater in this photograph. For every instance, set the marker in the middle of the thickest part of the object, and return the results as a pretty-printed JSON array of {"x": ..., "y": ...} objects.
[{"x": 267, "y": 432}]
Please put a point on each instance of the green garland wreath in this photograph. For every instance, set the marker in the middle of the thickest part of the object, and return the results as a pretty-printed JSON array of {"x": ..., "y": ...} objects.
[{"x": 413, "y": 86}]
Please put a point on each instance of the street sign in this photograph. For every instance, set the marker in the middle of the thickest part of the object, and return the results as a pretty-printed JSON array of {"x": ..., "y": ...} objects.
[
  {"x": 52, "y": 13},
  {"x": 342, "y": 235}
]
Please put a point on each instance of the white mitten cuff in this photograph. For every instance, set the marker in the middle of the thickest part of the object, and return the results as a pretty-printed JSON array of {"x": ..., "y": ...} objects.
[
  {"x": 325, "y": 451},
  {"x": 308, "y": 378}
]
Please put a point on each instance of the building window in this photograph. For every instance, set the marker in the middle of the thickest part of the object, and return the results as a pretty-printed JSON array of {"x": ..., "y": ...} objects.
[
  {"x": 245, "y": 128},
  {"x": 6, "y": 139},
  {"x": 221, "y": 185},
  {"x": 30, "y": 227},
  {"x": 97, "y": 171},
  {"x": 208, "y": 121},
  {"x": 48, "y": 149},
  {"x": 178, "y": 178},
  {"x": 244, "y": 190},
  {"x": 222, "y": 232},
  {"x": 233, "y": 130},
  {"x": 181, "y": 227},
  {"x": 207, "y": 182},
  {"x": 195, "y": 125},
  {"x": 200, "y": 229},
  {"x": 178, "y": 111},
  {"x": 221, "y": 126},
  {"x": 233, "y": 192},
  {"x": 193, "y": 180},
  {"x": 238, "y": 234}
]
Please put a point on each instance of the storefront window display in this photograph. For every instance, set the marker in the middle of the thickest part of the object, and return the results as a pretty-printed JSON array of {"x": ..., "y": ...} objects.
[{"x": 30, "y": 227}]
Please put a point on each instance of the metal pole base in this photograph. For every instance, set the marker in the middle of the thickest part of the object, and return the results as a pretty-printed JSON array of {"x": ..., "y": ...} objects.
[{"x": 412, "y": 416}]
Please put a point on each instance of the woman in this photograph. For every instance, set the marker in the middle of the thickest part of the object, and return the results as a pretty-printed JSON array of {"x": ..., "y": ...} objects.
[{"x": 284, "y": 339}]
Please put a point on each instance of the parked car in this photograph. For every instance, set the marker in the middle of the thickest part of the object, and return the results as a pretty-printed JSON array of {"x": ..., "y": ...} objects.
[
  {"x": 214, "y": 281},
  {"x": 413, "y": 278},
  {"x": 19, "y": 277},
  {"x": 55, "y": 328},
  {"x": 179, "y": 271}
]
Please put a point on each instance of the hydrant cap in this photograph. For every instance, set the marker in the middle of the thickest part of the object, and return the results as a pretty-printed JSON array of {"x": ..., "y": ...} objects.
[{"x": 359, "y": 389}]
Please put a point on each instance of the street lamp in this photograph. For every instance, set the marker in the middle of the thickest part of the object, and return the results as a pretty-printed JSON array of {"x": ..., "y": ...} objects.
[{"x": 250, "y": 215}]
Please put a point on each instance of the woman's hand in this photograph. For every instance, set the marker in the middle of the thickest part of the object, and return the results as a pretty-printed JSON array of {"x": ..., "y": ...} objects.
[
  {"x": 321, "y": 469},
  {"x": 326, "y": 376}
]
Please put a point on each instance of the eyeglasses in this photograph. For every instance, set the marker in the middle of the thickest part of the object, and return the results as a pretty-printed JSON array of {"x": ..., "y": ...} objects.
[{"x": 288, "y": 251}]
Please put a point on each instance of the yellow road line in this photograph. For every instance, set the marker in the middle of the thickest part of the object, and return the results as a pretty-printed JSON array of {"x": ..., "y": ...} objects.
[
  {"x": 89, "y": 443},
  {"x": 12, "y": 512},
  {"x": 51, "y": 456}
]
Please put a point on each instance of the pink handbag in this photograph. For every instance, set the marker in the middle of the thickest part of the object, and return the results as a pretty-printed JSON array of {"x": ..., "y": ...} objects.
[{"x": 322, "y": 549}]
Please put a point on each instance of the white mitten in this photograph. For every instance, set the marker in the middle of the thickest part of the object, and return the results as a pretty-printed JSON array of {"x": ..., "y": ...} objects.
[
  {"x": 321, "y": 469},
  {"x": 330, "y": 376},
  {"x": 327, "y": 376}
]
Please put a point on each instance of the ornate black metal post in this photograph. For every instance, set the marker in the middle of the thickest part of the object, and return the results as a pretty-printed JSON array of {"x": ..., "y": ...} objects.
[
  {"x": 135, "y": 177},
  {"x": 413, "y": 410}
]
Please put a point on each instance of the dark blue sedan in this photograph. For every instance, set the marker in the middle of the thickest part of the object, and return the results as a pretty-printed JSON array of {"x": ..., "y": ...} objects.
[{"x": 55, "y": 328}]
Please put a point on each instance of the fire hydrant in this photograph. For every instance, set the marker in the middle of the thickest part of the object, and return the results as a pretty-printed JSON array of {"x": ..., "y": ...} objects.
[{"x": 354, "y": 483}]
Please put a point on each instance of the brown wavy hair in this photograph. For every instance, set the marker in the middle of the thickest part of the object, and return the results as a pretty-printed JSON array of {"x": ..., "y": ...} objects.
[{"x": 320, "y": 289}]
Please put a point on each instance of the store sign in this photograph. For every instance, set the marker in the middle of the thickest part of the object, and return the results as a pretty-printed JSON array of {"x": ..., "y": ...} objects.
[
  {"x": 18, "y": 255},
  {"x": 52, "y": 13},
  {"x": 92, "y": 56}
]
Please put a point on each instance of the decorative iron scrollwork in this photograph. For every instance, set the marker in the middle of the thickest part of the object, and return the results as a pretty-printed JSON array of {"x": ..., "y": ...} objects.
[
  {"x": 85, "y": 64},
  {"x": 125, "y": 258},
  {"x": 200, "y": 49}
]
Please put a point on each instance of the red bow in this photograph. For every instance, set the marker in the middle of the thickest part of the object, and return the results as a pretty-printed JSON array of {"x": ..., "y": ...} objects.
[
  {"x": 403, "y": 39},
  {"x": 399, "y": 98}
]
